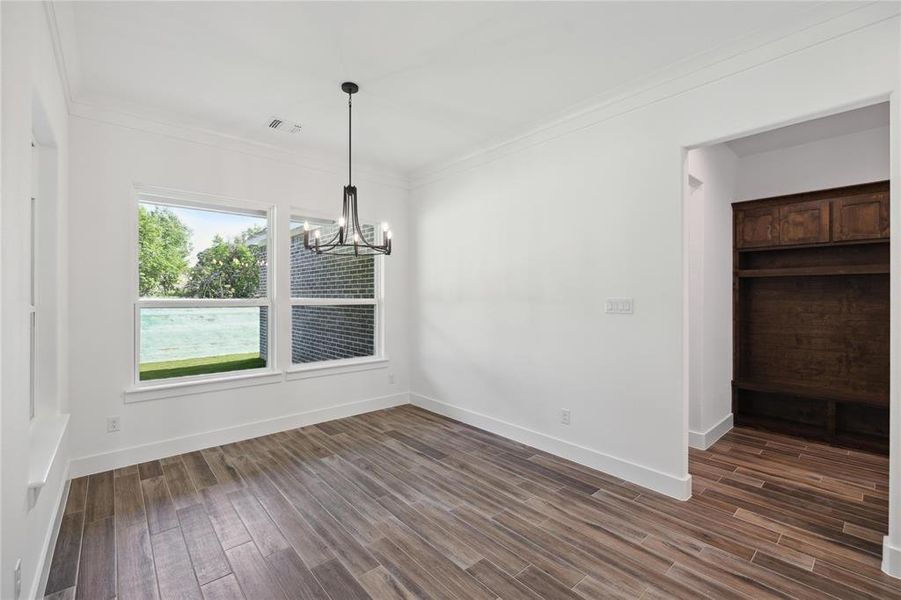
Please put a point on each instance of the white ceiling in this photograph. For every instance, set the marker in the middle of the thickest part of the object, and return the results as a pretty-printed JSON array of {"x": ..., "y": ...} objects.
[
  {"x": 438, "y": 79},
  {"x": 814, "y": 130}
]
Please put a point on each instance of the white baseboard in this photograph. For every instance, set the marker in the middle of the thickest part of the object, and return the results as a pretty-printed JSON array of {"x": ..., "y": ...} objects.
[
  {"x": 679, "y": 488},
  {"x": 115, "y": 459},
  {"x": 891, "y": 558},
  {"x": 705, "y": 439},
  {"x": 42, "y": 573}
]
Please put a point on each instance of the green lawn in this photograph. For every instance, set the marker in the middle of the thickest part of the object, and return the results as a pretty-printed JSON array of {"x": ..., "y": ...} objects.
[{"x": 201, "y": 366}]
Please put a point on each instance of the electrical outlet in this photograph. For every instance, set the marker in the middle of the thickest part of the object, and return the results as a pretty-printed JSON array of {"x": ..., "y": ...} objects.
[
  {"x": 112, "y": 424},
  {"x": 565, "y": 416},
  {"x": 17, "y": 577},
  {"x": 390, "y": 377},
  {"x": 619, "y": 306}
]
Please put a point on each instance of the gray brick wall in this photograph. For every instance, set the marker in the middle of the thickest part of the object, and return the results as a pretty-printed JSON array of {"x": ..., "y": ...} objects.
[
  {"x": 264, "y": 315},
  {"x": 328, "y": 332},
  {"x": 331, "y": 332},
  {"x": 330, "y": 275},
  {"x": 264, "y": 333}
]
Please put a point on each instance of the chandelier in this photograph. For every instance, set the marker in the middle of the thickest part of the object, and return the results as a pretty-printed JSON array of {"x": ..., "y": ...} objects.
[{"x": 350, "y": 236}]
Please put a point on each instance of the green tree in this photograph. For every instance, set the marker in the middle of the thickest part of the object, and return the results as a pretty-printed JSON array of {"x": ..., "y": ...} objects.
[
  {"x": 227, "y": 269},
  {"x": 163, "y": 247}
]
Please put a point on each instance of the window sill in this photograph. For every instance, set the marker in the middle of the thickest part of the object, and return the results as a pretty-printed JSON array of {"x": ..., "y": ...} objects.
[
  {"x": 45, "y": 436},
  {"x": 336, "y": 367},
  {"x": 186, "y": 388}
]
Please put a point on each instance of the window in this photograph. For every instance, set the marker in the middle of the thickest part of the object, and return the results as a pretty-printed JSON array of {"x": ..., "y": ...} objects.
[
  {"x": 335, "y": 300},
  {"x": 204, "y": 299}
]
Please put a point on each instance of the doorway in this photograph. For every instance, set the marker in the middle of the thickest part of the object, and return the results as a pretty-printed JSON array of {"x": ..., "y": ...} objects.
[{"x": 837, "y": 457}]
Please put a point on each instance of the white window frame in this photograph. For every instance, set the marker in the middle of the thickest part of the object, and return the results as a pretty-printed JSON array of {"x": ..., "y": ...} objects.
[
  {"x": 180, "y": 199},
  {"x": 32, "y": 306},
  {"x": 378, "y": 359}
]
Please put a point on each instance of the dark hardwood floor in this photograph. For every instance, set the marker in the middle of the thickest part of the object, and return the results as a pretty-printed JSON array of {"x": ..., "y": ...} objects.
[{"x": 403, "y": 503}]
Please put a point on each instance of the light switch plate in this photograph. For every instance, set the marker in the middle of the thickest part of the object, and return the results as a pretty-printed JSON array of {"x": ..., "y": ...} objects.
[{"x": 619, "y": 306}]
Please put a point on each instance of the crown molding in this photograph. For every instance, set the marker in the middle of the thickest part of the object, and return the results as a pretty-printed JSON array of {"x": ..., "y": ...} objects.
[
  {"x": 60, "y": 24},
  {"x": 59, "y": 54},
  {"x": 123, "y": 117},
  {"x": 750, "y": 52},
  {"x": 746, "y": 53}
]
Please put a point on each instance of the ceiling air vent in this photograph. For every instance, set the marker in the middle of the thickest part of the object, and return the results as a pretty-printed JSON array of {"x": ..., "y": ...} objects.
[{"x": 283, "y": 126}]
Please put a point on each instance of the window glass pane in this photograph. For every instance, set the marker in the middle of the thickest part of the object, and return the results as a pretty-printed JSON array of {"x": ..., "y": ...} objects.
[
  {"x": 332, "y": 332},
  {"x": 199, "y": 253},
  {"x": 330, "y": 275},
  {"x": 178, "y": 342}
]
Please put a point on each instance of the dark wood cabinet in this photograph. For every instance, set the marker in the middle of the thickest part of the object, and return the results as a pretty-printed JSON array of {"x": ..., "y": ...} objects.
[
  {"x": 804, "y": 222},
  {"x": 811, "y": 315},
  {"x": 756, "y": 227},
  {"x": 863, "y": 217}
]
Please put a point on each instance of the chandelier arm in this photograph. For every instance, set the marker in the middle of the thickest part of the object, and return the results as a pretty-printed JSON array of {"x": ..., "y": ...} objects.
[
  {"x": 366, "y": 244},
  {"x": 375, "y": 250},
  {"x": 357, "y": 219},
  {"x": 363, "y": 242},
  {"x": 359, "y": 230}
]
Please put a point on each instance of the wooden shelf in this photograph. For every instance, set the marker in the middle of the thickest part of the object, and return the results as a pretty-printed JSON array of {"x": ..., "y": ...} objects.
[
  {"x": 807, "y": 391},
  {"x": 814, "y": 432},
  {"x": 816, "y": 271},
  {"x": 783, "y": 426},
  {"x": 777, "y": 248}
]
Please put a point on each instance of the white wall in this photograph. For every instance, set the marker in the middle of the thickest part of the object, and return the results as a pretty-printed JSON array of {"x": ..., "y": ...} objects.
[
  {"x": 518, "y": 247},
  {"x": 709, "y": 233},
  {"x": 107, "y": 160},
  {"x": 859, "y": 157},
  {"x": 33, "y": 102}
]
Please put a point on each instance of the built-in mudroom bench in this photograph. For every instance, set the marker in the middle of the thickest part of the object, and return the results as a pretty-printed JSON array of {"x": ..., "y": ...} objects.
[{"x": 811, "y": 315}]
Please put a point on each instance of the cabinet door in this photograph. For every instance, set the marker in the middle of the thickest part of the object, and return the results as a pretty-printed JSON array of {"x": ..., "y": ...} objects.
[
  {"x": 863, "y": 217},
  {"x": 757, "y": 227},
  {"x": 804, "y": 222}
]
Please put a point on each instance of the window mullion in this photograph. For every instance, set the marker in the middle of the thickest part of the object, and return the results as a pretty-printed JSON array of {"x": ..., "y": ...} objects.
[
  {"x": 333, "y": 301},
  {"x": 201, "y": 302}
]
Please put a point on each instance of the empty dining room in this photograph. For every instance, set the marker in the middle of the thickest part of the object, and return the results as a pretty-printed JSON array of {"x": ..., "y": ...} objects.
[{"x": 442, "y": 300}]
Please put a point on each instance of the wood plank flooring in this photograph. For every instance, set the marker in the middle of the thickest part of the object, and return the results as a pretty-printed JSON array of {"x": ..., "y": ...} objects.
[{"x": 404, "y": 503}]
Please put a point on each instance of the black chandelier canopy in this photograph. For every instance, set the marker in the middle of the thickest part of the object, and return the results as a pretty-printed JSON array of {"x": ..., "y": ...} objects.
[{"x": 349, "y": 237}]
